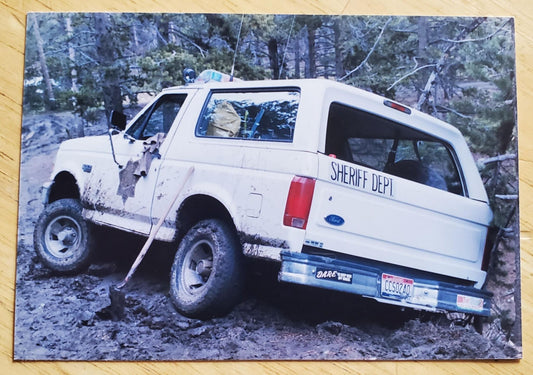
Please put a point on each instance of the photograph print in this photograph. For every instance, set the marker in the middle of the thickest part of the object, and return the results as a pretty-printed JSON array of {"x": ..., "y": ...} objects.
[{"x": 268, "y": 187}]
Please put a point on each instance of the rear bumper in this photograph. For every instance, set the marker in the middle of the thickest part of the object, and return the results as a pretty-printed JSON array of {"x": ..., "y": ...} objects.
[{"x": 365, "y": 279}]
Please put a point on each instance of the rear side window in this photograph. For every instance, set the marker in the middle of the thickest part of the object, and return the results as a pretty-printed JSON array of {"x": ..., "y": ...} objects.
[
  {"x": 362, "y": 138},
  {"x": 254, "y": 115}
]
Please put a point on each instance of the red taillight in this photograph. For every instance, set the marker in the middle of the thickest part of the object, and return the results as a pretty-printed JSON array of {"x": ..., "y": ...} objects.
[
  {"x": 397, "y": 106},
  {"x": 299, "y": 202}
]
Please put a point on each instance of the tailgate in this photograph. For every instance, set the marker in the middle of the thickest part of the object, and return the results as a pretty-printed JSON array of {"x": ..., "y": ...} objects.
[{"x": 366, "y": 213}]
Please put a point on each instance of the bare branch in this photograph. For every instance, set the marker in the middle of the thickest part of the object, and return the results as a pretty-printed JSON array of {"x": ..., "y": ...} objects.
[
  {"x": 410, "y": 74},
  {"x": 369, "y": 53},
  {"x": 88, "y": 57},
  {"x": 508, "y": 197},
  {"x": 475, "y": 39},
  {"x": 496, "y": 159},
  {"x": 161, "y": 37},
  {"x": 454, "y": 112},
  {"x": 438, "y": 67},
  {"x": 175, "y": 30}
]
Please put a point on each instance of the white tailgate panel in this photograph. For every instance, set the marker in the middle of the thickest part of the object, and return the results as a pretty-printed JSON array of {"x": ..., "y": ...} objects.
[{"x": 397, "y": 221}]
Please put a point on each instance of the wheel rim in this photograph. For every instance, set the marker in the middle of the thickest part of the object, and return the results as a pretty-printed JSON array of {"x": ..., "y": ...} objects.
[
  {"x": 197, "y": 267},
  {"x": 62, "y": 236}
]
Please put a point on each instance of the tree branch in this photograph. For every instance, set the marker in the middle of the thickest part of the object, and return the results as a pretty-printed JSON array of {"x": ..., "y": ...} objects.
[
  {"x": 498, "y": 158},
  {"x": 438, "y": 67},
  {"x": 454, "y": 112},
  {"x": 175, "y": 30},
  {"x": 474, "y": 39},
  {"x": 88, "y": 57},
  {"x": 161, "y": 37},
  {"x": 508, "y": 197},
  {"x": 369, "y": 53},
  {"x": 410, "y": 74}
]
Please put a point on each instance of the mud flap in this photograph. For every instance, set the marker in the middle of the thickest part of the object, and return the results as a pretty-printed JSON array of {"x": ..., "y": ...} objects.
[{"x": 383, "y": 282}]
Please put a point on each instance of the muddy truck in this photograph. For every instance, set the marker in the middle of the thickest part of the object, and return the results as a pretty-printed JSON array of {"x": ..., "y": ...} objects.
[{"x": 346, "y": 190}]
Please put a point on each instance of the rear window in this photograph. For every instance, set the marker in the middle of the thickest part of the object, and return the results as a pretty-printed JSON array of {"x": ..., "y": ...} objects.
[
  {"x": 254, "y": 115},
  {"x": 359, "y": 137}
]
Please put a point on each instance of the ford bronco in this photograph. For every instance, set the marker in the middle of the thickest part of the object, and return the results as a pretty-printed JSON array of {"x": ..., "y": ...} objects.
[{"x": 347, "y": 190}]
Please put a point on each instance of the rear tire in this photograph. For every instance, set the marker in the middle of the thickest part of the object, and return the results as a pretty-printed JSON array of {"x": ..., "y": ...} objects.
[
  {"x": 61, "y": 237},
  {"x": 207, "y": 277}
]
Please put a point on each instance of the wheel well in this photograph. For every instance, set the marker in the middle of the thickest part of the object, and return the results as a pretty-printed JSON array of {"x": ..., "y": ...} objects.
[
  {"x": 199, "y": 207},
  {"x": 64, "y": 186}
]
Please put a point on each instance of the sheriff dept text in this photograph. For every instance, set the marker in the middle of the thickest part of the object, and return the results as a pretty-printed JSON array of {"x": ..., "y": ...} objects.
[{"x": 361, "y": 178}]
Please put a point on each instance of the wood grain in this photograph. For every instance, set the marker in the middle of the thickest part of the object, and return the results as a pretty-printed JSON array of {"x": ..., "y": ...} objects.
[{"x": 12, "y": 32}]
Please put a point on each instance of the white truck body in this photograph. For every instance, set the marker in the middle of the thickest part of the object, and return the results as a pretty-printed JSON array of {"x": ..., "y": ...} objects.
[{"x": 368, "y": 231}]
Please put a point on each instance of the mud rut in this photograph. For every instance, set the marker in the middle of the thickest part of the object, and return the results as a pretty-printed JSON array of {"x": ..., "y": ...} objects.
[{"x": 57, "y": 317}]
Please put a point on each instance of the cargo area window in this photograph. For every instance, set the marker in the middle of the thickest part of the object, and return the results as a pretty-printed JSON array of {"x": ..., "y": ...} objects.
[
  {"x": 254, "y": 115},
  {"x": 362, "y": 138}
]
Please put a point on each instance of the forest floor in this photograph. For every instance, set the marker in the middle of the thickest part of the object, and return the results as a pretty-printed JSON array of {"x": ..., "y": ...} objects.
[{"x": 57, "y": 317}]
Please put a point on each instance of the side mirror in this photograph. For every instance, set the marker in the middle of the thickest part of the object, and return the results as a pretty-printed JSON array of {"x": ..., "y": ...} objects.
[{"x": 118, "y": 119}]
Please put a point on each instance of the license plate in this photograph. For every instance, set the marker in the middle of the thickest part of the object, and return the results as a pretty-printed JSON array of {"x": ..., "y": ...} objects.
[
  {"x": 469, "y": 303},
  {"x": 396, "y": 286},
  {"x": 333, "y": 275}
]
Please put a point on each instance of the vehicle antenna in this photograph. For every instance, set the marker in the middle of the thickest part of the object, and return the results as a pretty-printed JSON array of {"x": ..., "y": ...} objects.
[
  {"x": 235, "y": 52},
  {"x": 286, "y": 45}
]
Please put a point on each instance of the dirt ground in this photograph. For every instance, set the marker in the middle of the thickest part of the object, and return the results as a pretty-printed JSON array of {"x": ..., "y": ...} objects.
[{"x": 61, "y": 318}]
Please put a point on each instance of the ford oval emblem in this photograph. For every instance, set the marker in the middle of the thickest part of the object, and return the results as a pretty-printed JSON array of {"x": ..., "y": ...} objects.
[{"x": 334, "y": 220}]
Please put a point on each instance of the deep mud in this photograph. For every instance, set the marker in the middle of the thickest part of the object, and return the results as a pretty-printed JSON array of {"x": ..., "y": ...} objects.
[{"x": 61, "y": 317}]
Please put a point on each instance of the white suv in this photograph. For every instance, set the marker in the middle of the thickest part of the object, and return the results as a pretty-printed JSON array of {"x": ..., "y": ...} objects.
[{"x": 348, "y": 190}]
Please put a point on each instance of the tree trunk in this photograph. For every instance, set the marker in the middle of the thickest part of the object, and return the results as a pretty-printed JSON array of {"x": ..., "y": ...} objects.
[
  {"x": 311, "y": 56},
  {"x": 135, "y": 37},
  {"x": 161, "y": 29},
  {"x": 422, "y": 40},
  {"x": 73, "y": 71},
  {"x": 297, "y": 57},
  {"x": 422, "y": 47},
  {"x": 49, "y": 100},
  {"x": 339, "y": 69},
  {"x": 505, "y": 135},
  {"x": 107, "y": 52},
  {"x": 71, "y": 55},
  {"x": 273, "y": 57},
  {"x": 422, "y": 104}
]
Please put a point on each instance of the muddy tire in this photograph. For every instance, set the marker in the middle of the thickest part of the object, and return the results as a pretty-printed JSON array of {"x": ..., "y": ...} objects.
[
  {"x": 61, "y": 237},
  {"x": 207, "y": 274}
]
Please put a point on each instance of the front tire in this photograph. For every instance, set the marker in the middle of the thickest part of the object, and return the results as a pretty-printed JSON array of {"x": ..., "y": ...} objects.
[
  {"x": 61, "y": 237},
  {"x": 207, "y": 274}
]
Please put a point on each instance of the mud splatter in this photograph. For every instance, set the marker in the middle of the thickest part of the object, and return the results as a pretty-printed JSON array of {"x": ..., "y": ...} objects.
[
  {"x": 255, "y": 239},
  {"x": 128, "y": 180}
]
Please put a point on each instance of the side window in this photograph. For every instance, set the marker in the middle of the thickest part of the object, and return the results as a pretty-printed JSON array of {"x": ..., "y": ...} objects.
[
  {"x": 259, "y": 115},
  {"x": 374, "y": 142},
  {"x": 158, "y": 118}
]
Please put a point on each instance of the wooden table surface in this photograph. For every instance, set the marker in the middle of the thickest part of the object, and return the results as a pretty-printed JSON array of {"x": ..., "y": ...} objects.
[{"x": 12, "y": 31}]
